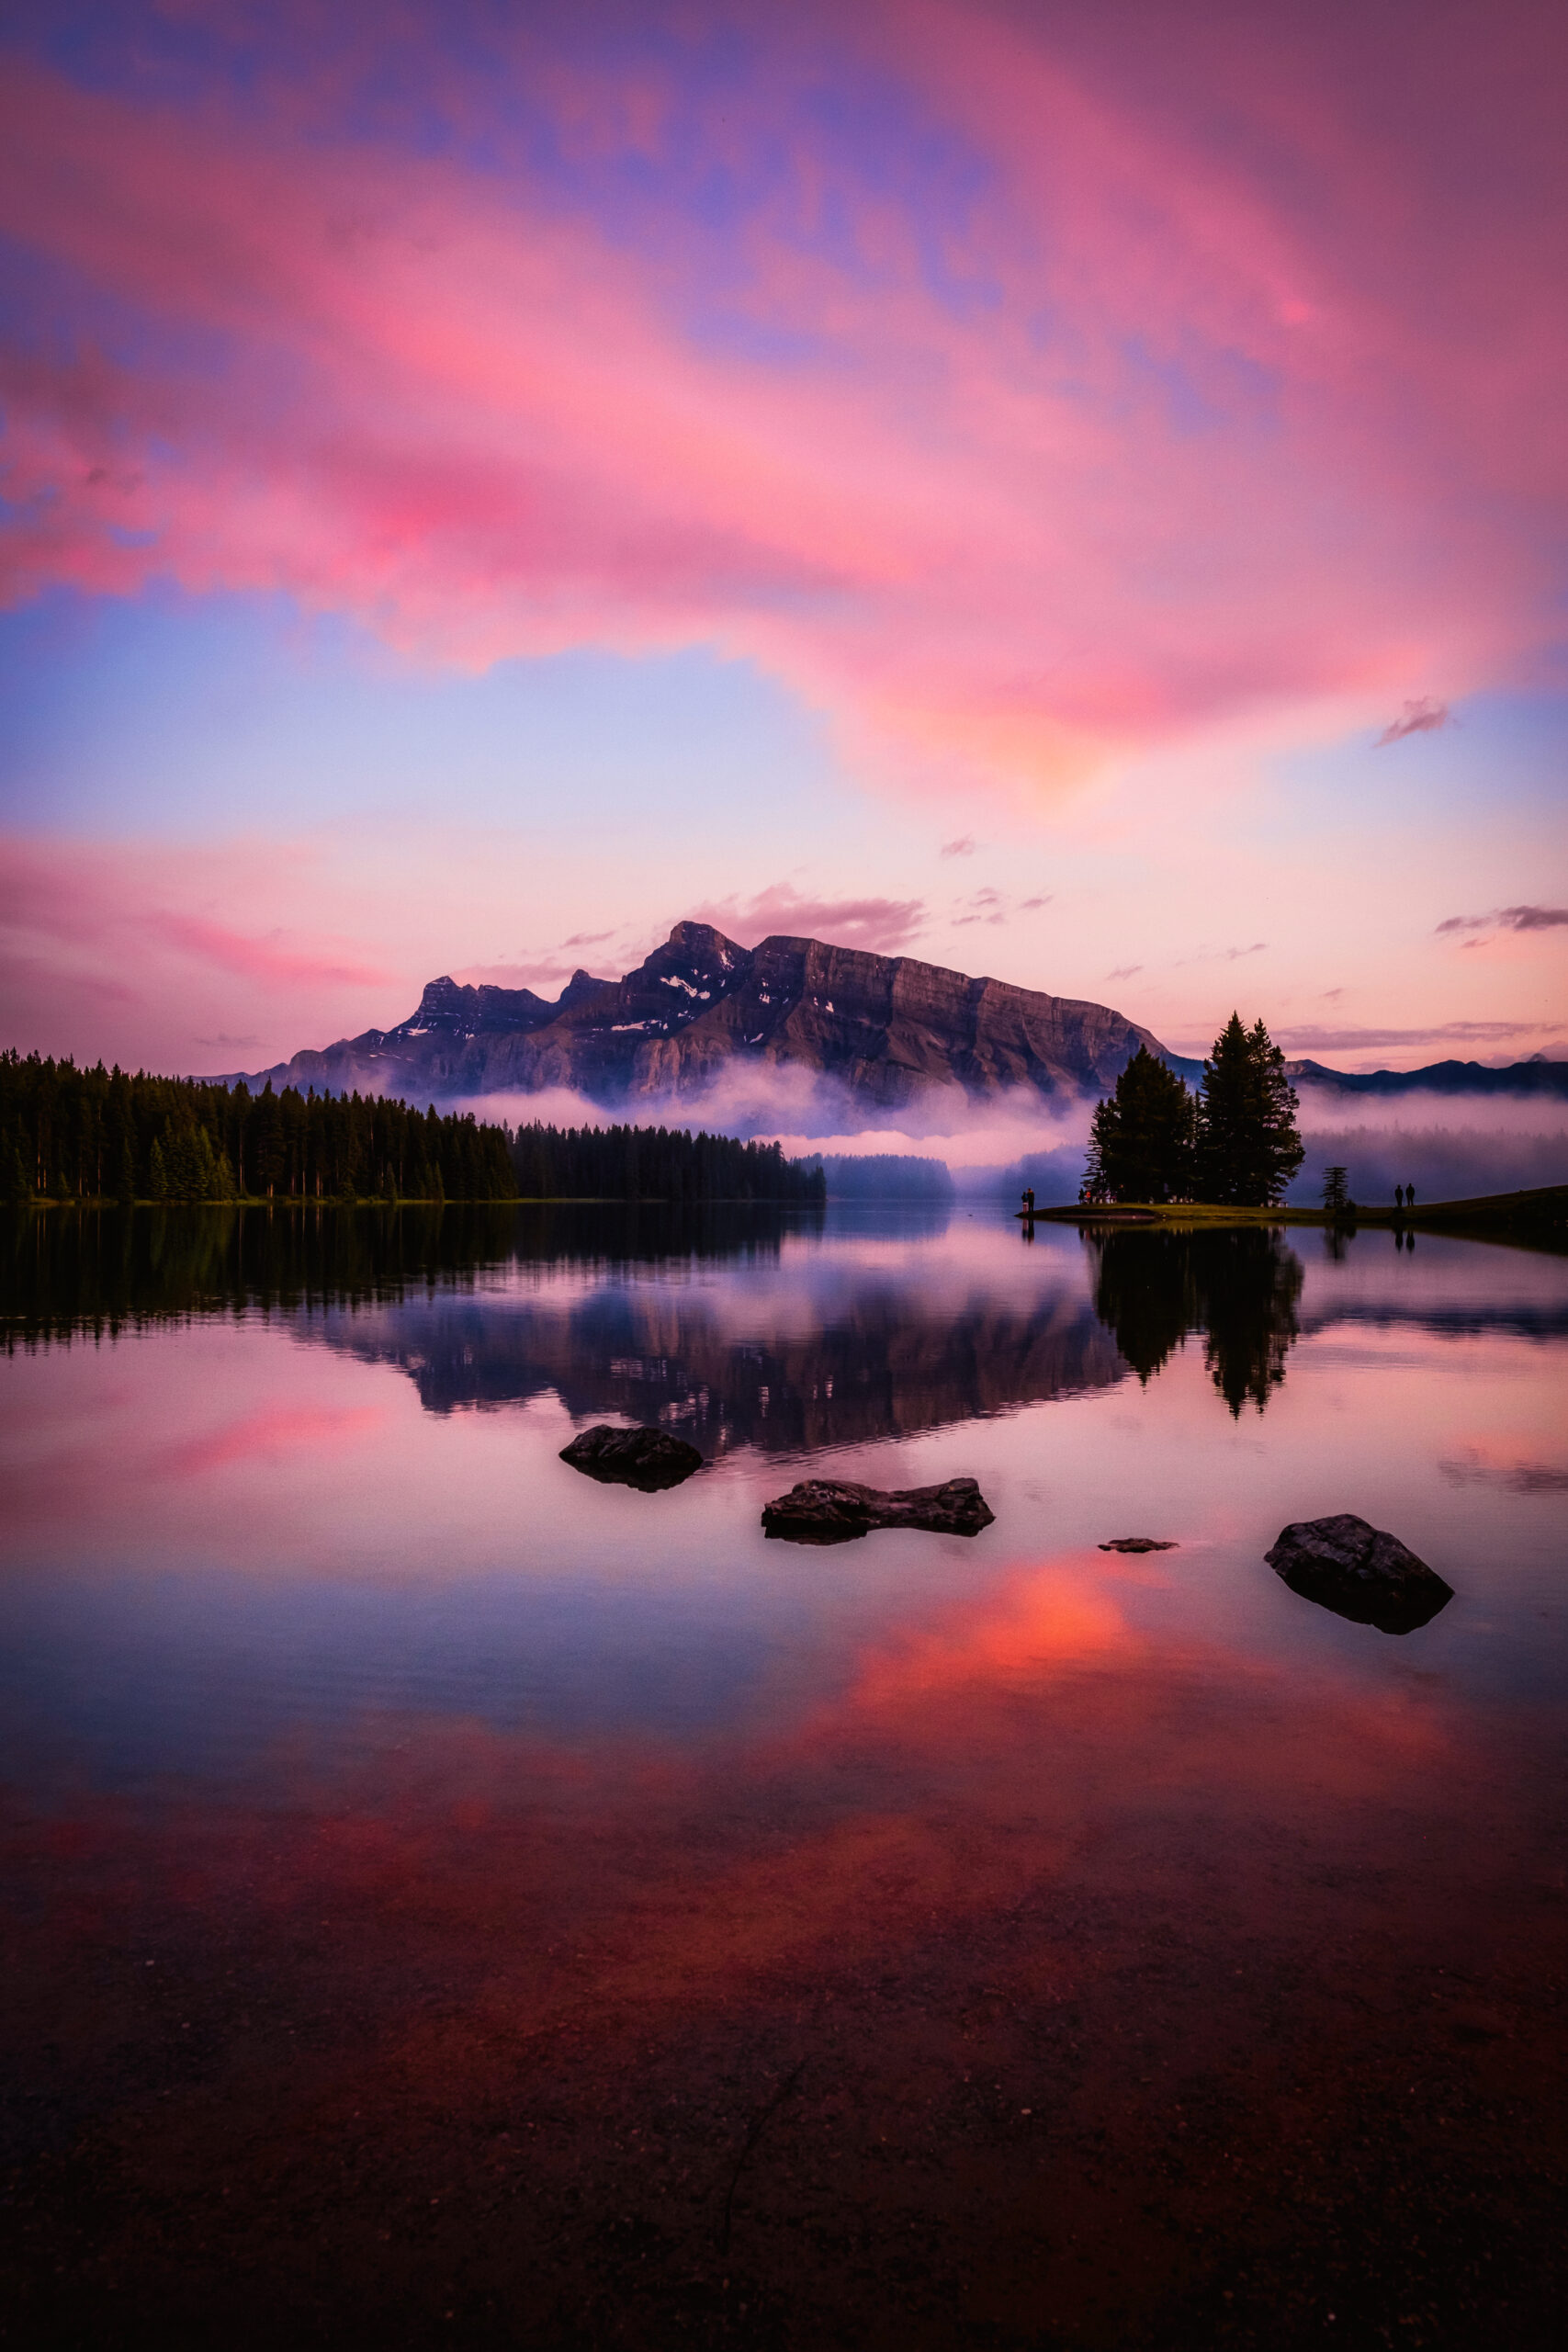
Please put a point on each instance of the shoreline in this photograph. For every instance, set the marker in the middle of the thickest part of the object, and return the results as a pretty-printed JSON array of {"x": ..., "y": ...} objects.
[{"x": 1543, "y": 1208}]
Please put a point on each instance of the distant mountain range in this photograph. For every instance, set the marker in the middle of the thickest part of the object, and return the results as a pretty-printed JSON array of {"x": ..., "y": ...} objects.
[
  {"x": 1535, "y": 1077},
  {"x": 885, "y": 1028}
]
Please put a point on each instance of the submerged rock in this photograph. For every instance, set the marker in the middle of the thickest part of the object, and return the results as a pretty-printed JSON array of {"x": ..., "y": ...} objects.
[
  {"x": 1359, "y": 1572},
  {"x": 1139, "y": 1543},
  {"x": 832, "y": 1511},
  {"x": 645, "y": 1458}
]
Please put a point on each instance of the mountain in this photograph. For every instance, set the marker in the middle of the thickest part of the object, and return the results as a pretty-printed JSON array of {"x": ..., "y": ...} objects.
[{"x": 884, "y": 1027}]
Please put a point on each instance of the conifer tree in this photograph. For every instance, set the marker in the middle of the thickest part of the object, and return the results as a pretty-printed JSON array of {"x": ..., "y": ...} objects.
[
  {"x": 1141, "y": 1137},
  {"x": 1248, "y": 1147},
  {"x": 1336, "y": 1192}
]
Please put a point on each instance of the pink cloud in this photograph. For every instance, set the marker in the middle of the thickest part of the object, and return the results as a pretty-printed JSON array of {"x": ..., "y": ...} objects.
[
  {"x": 90, "y": 945},
  {"x": 258, "y": 959},
  {"x": 885, "y": 926},
  {"x": 1423, "y": 717},
  {"x": 1241, "y": 420}
]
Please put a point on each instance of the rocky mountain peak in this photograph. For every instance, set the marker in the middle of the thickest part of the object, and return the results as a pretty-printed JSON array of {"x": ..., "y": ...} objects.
[{"x": 882, "y": 1029}]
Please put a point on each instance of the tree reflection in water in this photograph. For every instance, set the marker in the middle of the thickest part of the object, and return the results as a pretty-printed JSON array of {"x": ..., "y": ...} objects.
[{"x": 1240, "y": 1285}]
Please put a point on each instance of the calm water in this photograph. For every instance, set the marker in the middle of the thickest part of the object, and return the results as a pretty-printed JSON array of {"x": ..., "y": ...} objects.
[{"x": 430, "y": 1873}]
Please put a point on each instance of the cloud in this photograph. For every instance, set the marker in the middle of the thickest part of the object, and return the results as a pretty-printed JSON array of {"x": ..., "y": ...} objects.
[
  {"x": 588, "y": 939},
  {"x": 884, "y": 926},
  {"x": 69, "y": 898},
  {"x": 271, "y": 958},
  {"x": 964, "y": 846},
  {"x": 99, "y": 955},
  {"x": 1423, "y": 717},
  {"x": 1124, "y": 971},
  {"x": 341, "y": 330},
  {"x": 1224, "y": 955},
  {"x": 1026, "y": 905},
  {"x": 1510, "y": 919},
  {"x": 1310, "y": 1039}
]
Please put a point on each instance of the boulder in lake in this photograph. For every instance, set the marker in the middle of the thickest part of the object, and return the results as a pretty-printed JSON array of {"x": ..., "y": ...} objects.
[
  {"x": 649, "y": 1459},
  {"x": 1359, "y": 1572},
  {"x": 1139, "y": 1543},
  {"x": 832, "y": 1511}
]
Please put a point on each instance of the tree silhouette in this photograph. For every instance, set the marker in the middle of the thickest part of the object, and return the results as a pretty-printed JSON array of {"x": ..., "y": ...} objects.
[
  {"x": 1248, "y": 1147},
  {"x": 1141, "y": 1137},
  {"x": 1240, "y": 1287},
  {"x": 1336, "y": 1192}
]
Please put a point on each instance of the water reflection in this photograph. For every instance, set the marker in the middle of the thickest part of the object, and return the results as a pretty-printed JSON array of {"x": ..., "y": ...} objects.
[
  {"x": 1240, "y": 1286},
  {"x": 745, "y": 1326},
  {"x": 874, "y": 1356},
  {"x": 104, "y": 1271}
]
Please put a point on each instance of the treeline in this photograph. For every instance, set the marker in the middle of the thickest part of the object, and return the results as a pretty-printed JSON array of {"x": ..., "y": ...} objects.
[
  {"x": 625, "y": 1163},
  {"x": 81, "y": 1134},
  {"x": 1234, "y": 1142},
  {"x": 76, "y": 1134}
]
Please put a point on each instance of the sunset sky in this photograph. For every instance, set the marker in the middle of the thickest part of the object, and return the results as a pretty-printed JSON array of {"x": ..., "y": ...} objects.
[{"x": 1074, "y": 492}]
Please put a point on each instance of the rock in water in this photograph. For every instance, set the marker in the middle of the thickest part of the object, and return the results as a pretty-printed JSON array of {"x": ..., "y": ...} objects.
[
  {"x": 1359, "y": 1572},
  {"x": 1138, "y": 1543},
  {"x": 831, "y": 1510},
  {"x": 645, "y": 1458}
]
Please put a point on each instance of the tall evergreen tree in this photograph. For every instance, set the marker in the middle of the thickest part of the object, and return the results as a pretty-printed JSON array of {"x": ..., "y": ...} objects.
[
  {"x": 1141, "y": 1137},
  {"x": 1248, "y": 1147},
  {"x": 1336, "y": 1192}
]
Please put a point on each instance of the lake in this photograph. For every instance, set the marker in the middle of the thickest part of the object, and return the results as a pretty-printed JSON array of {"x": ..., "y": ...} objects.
[{"x": 450, "y": 1899}]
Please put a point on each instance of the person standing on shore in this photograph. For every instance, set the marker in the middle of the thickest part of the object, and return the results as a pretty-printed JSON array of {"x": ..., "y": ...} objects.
[{"x": 1399, "y": 1196}]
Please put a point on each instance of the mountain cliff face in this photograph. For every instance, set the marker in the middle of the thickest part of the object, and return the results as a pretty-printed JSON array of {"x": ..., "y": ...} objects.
[{"x": 885, "y": 1028}]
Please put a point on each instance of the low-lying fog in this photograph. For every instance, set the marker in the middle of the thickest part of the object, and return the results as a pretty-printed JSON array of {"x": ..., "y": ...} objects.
[{"x": 1448, "y": 1147}]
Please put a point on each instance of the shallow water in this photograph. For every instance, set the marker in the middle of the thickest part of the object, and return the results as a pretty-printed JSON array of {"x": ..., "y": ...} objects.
[{"x": 432, "y": 1873}]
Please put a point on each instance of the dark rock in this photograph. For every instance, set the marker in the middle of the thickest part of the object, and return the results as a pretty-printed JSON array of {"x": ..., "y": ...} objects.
[
  {"x": 1359, "y": 1572},
  {"x": 1138, "y": 1543},
  {"x": 831, "y": 1510},
  {"x": 645, "y": 1458}
]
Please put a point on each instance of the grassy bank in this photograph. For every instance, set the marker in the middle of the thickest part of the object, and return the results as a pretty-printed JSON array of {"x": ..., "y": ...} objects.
[{"x": 1540, "y": 1214}]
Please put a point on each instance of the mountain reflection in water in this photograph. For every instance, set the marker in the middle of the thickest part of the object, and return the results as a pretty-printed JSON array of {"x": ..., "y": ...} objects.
[{"x": 738, "y": 1326}]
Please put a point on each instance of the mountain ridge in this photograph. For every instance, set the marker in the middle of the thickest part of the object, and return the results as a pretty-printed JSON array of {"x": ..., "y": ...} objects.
[{"x": 883, "y": 1028}]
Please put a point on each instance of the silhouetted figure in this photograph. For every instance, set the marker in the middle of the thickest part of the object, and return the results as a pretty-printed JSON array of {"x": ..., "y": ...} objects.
[
  {"x": 1399, "y": 1196},
  {"x": 1410, "y": 1196},
  {"x": 1029, "y": 1201}
]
